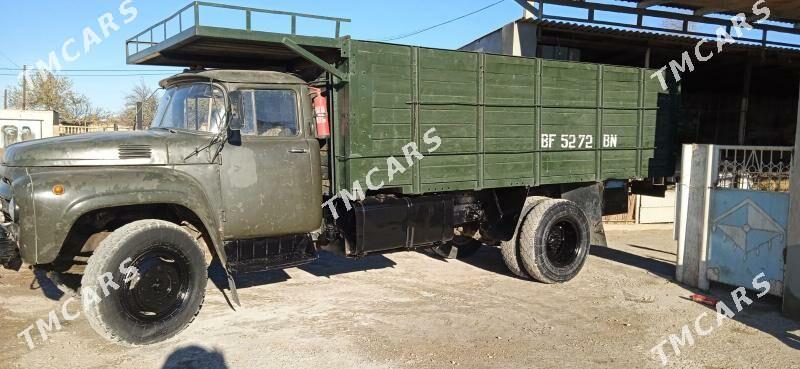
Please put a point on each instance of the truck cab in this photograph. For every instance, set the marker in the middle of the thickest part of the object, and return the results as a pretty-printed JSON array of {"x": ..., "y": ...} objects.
[
  {"x": 229, "y": 163},
  {"x": 273, "y": 167}
]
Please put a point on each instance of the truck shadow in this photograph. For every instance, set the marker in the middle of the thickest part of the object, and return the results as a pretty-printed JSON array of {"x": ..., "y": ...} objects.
[
  {"x": 195, "y": 357},
  {"x": 49, "y": 287},
  {"x": 326, "y": 266},
  {"x": 763, "y": 315},
  {"x": 217, "y": 276},
  {"x": 488, "y": 258},
  {"x": 330, "y": 264},
  {"x": 655, "y": 266}
]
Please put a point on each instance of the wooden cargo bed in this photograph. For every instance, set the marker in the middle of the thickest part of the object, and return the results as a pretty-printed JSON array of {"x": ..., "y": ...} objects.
[{"x": 503, "y": 121}]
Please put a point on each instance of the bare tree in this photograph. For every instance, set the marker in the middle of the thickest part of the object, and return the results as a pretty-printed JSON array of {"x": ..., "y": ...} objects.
[{"x": 144, "y": 93}]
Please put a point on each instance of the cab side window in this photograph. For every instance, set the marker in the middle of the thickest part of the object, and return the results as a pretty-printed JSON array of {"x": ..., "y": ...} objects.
[{"x": 270, "y": 113}]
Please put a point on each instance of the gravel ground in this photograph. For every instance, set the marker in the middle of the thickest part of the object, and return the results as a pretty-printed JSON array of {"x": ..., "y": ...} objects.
[{"x": 411, "y": 310}]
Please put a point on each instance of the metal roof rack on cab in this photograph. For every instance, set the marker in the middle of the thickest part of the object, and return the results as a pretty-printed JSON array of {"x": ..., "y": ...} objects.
[{"x": 226, "y": 36}]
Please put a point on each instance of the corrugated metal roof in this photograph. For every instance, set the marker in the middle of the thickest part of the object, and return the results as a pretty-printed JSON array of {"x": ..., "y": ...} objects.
[
  {"x": 640, "y": 34},
  {"x": 786, "y": 10}
]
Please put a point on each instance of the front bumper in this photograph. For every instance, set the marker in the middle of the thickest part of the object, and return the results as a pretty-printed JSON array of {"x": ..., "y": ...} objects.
[{"x": 9, "y": 250}]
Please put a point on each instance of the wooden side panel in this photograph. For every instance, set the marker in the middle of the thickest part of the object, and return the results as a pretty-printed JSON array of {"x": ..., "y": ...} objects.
[
  {"x": 658, "y": 136},
  {"x": 448, "y": 103},
  {"x": 567, "y": 84},
  {"x": 569, "y": 122},
  {"x": 622, "y": 104},
  {"x": 510, "y": 98},
  {"x": 380, "y": 115},
  {"x": 509, "y": 121},
  {"x": 503, "y": 121}
]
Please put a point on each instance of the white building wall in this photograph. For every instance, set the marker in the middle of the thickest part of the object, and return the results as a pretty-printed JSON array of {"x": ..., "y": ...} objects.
[{"x": 25, "y": 125}]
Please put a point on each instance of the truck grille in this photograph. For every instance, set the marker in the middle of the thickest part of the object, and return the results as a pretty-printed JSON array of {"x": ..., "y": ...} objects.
[{"x": 134, "y": 151}]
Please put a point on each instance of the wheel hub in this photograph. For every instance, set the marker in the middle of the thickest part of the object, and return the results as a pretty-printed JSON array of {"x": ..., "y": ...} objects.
[
  {"x": 562, "y": 243},
  {"x": 160, "y": 289}
]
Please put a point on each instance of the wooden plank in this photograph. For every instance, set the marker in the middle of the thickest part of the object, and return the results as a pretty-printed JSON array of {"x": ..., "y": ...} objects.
[{"x": 481, "y": 135}]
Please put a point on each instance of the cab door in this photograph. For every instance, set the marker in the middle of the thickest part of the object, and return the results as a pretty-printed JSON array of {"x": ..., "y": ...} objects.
[{"x": 271, "y": 184}]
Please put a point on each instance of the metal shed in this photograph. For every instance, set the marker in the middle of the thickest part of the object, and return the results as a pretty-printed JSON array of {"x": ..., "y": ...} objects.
[{"x": 746, "y": 95}]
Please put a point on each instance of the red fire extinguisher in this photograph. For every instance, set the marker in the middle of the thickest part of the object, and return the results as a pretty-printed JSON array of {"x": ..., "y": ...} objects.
[{"x": 321, "y": 113}]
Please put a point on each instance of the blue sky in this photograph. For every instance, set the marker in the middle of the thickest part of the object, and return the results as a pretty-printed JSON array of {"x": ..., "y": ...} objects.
[{"x": 31, "y": 30}]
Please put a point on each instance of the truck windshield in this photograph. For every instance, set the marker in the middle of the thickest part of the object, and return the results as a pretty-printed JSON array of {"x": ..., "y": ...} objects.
[{"x": 194, "y": 107}]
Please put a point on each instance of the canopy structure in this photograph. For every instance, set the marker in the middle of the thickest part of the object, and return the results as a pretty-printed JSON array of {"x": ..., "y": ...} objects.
[
  {"x": 684, "y": 17},
  {"x": 781, "y": 10}
]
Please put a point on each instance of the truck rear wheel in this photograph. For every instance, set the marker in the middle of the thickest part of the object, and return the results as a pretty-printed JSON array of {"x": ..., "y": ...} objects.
[
  {"x": 510, "y": 249},
  {"x": 145, "y": 283},
  {"x": 554, "y": 241}
]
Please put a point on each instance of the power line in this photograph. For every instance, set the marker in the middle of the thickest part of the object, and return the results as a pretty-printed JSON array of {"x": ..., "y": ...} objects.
[
  {"x": 441, "y": 24},
  {"x": 9, "y": 59},
  {"x": 98, "y": 75},
  {"x": 101, "y": 70}
]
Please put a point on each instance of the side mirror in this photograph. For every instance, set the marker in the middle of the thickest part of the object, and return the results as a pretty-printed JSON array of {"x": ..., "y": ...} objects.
[{"x": 235, "y": 118}]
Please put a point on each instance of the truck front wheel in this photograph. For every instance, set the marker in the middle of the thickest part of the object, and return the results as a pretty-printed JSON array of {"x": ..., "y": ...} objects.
[
  {"x": 145, "y": 283},
  {"x": 554, "y": 241}
]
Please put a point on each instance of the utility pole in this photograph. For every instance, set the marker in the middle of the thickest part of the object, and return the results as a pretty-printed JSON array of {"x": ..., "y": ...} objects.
[
  {"x": 137, "y": 126},
  {"x": 24, "y": 87},
  {"x": 5, "y": 99}
]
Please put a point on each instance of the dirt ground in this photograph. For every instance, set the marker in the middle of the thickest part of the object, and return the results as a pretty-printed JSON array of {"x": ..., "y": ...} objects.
[{"x": 411, "y": 310}]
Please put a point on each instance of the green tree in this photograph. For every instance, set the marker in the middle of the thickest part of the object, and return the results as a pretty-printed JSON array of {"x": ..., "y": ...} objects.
[{"x": 48, "y": 91}]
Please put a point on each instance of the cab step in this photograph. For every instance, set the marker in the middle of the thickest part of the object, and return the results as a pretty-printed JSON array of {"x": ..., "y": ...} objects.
[{"x": 261, "y": 254}]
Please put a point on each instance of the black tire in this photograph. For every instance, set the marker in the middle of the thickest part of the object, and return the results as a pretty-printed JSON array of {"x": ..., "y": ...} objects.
[
  {"x": 459, "y": 248},
  {"x": 510, "y": 249},
  {"x": 554, "y": 241},
  {"x": 159, "y": 300}
]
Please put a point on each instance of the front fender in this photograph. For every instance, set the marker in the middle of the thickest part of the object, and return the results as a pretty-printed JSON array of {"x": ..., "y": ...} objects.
[{"x": 90, "y": 189}]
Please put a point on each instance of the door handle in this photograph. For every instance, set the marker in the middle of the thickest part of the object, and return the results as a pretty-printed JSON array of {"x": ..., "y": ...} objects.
[{"x": 298, "y": 151}]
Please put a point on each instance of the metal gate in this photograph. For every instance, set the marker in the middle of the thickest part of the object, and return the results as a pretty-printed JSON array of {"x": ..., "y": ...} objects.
[
  {"x": 749, "y": 215},
  {"x": 742, "y": 215}
]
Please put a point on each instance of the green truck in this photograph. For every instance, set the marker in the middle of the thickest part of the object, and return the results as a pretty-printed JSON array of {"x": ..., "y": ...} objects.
[{"x": 273, "y": 146}]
